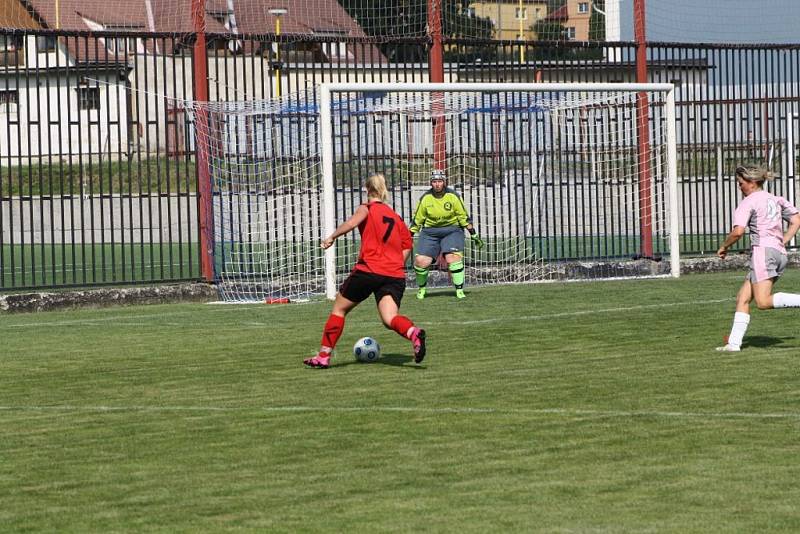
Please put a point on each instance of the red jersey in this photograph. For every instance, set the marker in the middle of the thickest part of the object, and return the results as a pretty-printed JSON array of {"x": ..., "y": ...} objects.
[{"x": 384, "y": 237}]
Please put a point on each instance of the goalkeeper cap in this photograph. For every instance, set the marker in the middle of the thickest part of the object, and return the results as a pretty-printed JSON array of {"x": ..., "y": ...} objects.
[{"x": 438, "y": 174}]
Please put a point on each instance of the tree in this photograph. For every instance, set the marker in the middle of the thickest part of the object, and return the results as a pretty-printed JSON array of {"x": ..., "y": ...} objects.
[
  {"x": 387, "y": 20},
  {"x": 549, "y": 30},
  {"x": 458, "y": 21},
  {"x": 597, "y": 22}
]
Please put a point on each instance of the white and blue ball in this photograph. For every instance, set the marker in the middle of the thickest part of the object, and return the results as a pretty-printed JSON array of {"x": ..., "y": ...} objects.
[{"x": 367, "y": 350}]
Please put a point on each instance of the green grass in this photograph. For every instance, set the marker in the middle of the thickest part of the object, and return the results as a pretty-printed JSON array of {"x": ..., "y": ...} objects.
[
  {"x": 125, "y": 176},
  {"x": 578, "y": 407},
  {"x": 49, "y": 265}
]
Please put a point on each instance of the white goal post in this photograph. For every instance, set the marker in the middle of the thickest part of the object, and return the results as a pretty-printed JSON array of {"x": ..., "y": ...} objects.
[{"x": 608, "y": 151}]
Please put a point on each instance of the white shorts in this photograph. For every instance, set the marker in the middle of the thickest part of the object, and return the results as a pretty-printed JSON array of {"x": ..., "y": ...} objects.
[{"x": 766, "y": 263}]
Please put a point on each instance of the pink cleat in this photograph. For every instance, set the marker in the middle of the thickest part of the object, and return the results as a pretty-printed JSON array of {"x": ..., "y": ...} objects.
[
  {"x": 418, "y": 339},
  {"x": 320, "y": 361}
]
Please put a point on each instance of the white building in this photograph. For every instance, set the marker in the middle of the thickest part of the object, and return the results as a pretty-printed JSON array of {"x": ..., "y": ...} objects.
[{"x": 55, "y": 101}]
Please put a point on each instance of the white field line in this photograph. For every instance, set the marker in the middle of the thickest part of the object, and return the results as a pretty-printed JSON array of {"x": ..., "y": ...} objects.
[
  {"x": 568, "y": 412},
  {"x": 126, "y": 318}
]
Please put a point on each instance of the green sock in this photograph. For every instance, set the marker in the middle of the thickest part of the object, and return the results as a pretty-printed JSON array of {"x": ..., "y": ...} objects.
[
  {"x": 457, "y": 273},
  {"x": 422, "y": 276}
]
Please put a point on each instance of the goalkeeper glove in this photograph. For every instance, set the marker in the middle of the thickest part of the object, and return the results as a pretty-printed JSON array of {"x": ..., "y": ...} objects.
[{"x": 477, "y": 242}]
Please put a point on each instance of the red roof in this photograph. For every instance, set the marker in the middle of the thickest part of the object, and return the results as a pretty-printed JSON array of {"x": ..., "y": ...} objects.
[
  {"x": 304, "y": 18},
  {"x": 560, "y": 14}
]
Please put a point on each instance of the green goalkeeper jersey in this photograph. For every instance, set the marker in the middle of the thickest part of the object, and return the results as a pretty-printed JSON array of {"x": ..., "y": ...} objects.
[{"x": 432, "y": 212}]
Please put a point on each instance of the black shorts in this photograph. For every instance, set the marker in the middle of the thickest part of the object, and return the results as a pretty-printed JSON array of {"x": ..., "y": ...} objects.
[{"x": 360, "y": 285}]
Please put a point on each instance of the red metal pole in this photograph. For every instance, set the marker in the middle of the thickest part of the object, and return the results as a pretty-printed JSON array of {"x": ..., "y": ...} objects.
[
  {"x": 200, "y": 61},
  {"x": 436, "y": 66},
  {"x": 642, "y": 129}
]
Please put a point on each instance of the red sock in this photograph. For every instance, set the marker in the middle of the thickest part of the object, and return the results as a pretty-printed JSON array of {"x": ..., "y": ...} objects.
[
  {"x": 333, "y": 329},
  {"x": 402, "y": 325}
]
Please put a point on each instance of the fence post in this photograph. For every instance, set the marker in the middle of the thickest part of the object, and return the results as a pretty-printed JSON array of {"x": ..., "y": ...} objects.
[
  {"x": 643, "y": 134},
  {"x": 200, "y": 61},
  {"x": 436, "y": 67}
]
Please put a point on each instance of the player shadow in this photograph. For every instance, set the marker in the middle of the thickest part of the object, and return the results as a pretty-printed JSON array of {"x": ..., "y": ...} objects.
[
  {"x": 442, "y": 294},
  {"x": 763, "y": 342},
  {"x": 396, "y": 360}
]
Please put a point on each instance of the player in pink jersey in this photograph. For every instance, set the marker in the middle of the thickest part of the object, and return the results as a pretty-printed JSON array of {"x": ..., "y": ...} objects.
[{"x": 763, "y": 213}]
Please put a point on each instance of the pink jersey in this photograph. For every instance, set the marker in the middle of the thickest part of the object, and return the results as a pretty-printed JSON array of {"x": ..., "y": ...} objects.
[{"x": 763, "y": 213}]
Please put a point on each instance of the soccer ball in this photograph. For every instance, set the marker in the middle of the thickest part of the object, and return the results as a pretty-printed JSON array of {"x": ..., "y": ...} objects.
[{"x": 367, "y": 350}]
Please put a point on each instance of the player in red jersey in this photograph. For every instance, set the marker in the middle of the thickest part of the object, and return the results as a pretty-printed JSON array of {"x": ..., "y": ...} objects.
[{"x": 386, "y": 244}]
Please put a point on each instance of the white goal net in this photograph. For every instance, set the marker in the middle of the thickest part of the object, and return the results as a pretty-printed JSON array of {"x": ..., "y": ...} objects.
[
  {"x": 261, "y": 159},
  {"x": 562, "y": 181}
]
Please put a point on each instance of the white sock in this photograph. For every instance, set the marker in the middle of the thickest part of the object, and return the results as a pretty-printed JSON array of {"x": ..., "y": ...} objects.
[
  {"x": 786, "y": 300},
  {"x": 740, "y": 322}
]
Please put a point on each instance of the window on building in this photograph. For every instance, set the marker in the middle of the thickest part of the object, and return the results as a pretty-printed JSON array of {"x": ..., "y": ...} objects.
[
  {"x": 88, "y": 98},
  {"x": 8, "y": 101},
  {"x": 119, "y": 42},
  {"x": 12, "y": 50},
  {"x": 522, "y": 13},
  {"x": 11, "y": 42},
  {"x": 583, "y": 7},
  {"x": 45, "y": 43},
  {"x": 571, "y": 33},
  {"x": 121, "y": 45}
]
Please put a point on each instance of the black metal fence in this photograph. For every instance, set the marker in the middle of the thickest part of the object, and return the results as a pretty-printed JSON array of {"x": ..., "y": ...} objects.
[{"x": 98, "y": 181}]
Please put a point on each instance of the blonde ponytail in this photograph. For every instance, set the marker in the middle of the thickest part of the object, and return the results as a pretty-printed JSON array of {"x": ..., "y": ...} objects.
[
  {"x": 376, "y": 186},
  {"x": 754, "y": 173}
]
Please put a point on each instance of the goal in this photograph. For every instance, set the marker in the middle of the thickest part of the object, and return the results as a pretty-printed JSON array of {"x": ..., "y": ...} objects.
[{"x": 562, "y": 181}]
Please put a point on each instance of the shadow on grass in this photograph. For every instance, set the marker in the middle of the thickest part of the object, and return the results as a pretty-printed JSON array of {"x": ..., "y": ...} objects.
[
  {"x": 396, "y": 360},
  {"x": 764, "y": 342},
  {"x": 441, "y": 293}
]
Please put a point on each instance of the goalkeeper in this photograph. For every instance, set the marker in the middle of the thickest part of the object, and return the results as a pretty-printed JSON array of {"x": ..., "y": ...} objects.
[{"x": 440, "y": 220}]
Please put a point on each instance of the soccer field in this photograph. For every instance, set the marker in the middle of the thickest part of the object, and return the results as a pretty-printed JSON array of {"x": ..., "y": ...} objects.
[{"x": 552, "y": 407}]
